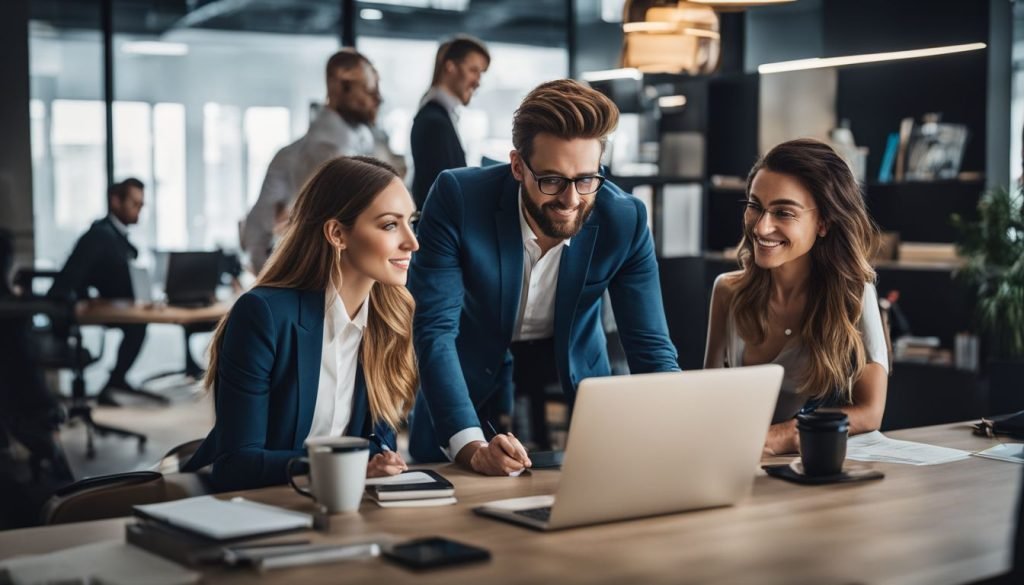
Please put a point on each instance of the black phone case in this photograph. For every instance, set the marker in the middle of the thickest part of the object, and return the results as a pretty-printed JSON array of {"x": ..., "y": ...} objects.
[{"x": 464, "y": 554}]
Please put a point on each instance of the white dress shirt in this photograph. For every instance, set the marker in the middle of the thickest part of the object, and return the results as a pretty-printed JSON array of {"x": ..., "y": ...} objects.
[
  {"x": 536, "y": 315},
  {"x": 329, "y": 135},
  {"x": 338, "y": 363}
]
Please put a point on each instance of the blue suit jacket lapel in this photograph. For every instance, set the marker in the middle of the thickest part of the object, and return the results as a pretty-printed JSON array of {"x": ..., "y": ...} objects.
[
  {"x": 309, "y": 334},
  {"x": 572, "y": 274},
  {"x": 510, "y": 254}
]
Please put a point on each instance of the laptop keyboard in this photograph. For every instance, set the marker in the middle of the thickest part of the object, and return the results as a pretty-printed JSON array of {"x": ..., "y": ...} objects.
[{"x": 542, "y": 514}]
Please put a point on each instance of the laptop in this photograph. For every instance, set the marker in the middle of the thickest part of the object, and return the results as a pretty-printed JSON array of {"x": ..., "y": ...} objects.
[
  {"x": 192, "y": 278},
  {"x": 654, "y": 444}
]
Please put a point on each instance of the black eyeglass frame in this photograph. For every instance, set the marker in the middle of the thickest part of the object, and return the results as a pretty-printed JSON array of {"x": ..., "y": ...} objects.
[
  {"x": 564, "y": 181},
  {"x": 760, "y": 210}
]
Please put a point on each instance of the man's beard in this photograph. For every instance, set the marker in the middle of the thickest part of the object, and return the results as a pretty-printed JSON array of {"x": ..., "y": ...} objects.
[
  {"x": 558, "y": 230},
  {"x": 355, "y": 118}
]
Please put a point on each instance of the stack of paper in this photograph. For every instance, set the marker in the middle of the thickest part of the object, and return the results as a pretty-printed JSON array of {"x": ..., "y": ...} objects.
[
  {"x": 875, "y": 446},
  {"x": 413, "y": 488}
]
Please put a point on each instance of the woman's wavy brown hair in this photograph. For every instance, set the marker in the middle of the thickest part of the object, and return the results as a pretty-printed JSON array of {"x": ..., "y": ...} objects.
[
  {"x": 342, "y": 189},
  {"x": 840, "y": 267}
]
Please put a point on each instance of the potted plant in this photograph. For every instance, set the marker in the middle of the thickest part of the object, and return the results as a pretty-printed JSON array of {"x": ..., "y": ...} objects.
[{"x": 993, "y": 247}]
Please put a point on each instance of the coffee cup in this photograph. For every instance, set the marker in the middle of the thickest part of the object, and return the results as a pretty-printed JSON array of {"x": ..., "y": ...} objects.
[
  {"x": 823, "y": 441},
  {"x": 337, "y": 472}
]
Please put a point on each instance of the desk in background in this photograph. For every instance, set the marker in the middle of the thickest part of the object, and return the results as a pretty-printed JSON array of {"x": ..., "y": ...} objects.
[
  {"x": 191, "y": 319},
  {"x": 930, "y": 525},
  {"x": 102, "y": 312}
]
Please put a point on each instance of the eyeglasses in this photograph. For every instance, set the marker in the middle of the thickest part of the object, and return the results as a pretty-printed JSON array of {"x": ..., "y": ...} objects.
[
  {"x": 754, "y": 211},
  {"x": 554, "y": 184}
]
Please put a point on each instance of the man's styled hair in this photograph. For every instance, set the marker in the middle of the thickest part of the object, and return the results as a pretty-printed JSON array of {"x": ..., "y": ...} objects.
[
  {"x": 120, "y": 190},
  {"x": 566, "y": 109},
  {"x": 346, "y": 58},
  {"x": 456, "y": 49}
]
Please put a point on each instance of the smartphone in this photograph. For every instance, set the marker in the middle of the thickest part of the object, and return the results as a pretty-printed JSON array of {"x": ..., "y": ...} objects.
[
  {"x": 547, "y": 459},
  {"x": 434, "y": 551}
]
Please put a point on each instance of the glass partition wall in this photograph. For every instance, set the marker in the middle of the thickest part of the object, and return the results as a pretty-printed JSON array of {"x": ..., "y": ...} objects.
[{"x": 205, "y": 92}]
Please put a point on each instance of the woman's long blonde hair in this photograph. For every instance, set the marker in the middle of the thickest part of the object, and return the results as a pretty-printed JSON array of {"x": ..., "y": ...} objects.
[
  {"x": 342, "y": 189},
  {"x": 840, "y": 267}
]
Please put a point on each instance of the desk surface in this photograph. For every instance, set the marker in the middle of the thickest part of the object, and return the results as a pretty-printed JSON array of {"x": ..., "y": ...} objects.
[
  {"x": 931, "y": 525},
  {"x": 100, "y": 312}
]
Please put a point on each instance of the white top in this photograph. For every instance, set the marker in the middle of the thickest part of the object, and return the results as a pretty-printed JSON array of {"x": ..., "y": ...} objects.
[
  {"x": 536, "y": 315},
  {"x": 118, "y": 225},
  {"x": 329, "y": 136},
  {"x": 793, "y": 358},
  {"x": 338, "y": 363}
]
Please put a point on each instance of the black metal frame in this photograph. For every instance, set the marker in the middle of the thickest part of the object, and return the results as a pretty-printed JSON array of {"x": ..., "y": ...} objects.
[{"x": 63, "y": 318}]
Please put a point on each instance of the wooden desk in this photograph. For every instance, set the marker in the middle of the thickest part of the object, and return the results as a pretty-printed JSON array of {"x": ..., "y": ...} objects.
[
  {"x": 102, "y": 312},
  {"x": 929, "y": 525}
]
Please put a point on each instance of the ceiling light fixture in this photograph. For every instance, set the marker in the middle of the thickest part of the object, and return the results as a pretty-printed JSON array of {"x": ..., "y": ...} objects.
[{"x": 819, "y": 62}]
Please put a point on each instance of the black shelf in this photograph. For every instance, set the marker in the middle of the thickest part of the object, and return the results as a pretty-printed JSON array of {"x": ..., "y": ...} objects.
[{"x": 920, "y": 211}]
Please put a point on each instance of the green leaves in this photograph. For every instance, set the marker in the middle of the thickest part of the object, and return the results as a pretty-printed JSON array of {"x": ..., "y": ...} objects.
[{"x": 993, "y": 247}]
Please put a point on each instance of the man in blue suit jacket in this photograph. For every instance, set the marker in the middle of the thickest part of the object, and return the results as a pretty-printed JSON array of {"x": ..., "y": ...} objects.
[
  {"x": 523, "y": 253},
  {"x": 282, "y": 330}
]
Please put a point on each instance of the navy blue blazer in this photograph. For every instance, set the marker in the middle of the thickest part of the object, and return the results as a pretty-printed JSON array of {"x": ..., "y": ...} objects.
[
  {"x": 435, "y": 147},
  {"x": 268, "y": 373},
  {"x": 467, "y": 278}
]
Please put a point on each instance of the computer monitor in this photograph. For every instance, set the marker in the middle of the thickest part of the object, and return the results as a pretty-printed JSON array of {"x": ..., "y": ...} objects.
[{"x": 192, "y": 278}]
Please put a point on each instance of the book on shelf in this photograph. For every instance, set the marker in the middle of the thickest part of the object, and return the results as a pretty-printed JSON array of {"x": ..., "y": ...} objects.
[{"x": 415, "y": 487}]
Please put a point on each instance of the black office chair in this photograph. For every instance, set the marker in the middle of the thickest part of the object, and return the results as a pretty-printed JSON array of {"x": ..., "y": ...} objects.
[{"x": 60, "y": 345}]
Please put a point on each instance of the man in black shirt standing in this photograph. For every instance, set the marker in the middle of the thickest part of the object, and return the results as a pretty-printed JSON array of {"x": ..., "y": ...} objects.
[
  {"x": 435, "y": 143},
  {"x": 100, "y": 260}
]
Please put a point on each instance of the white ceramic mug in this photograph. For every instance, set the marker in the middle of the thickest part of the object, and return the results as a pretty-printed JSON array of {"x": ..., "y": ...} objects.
[{"x": 337, "y": 472}]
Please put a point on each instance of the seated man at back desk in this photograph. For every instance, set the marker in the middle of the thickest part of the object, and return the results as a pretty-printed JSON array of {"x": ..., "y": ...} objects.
[
  {"x": 100, "y": 260},
  {"x": 513, "y": 262}
]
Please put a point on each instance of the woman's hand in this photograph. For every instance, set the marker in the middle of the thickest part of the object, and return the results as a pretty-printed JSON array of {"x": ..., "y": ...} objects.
[
  {"x": 386, "y": 463},
  {"x": 782, "y": 438}
]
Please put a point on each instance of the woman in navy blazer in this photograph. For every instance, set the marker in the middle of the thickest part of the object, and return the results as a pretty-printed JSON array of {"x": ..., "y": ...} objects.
[{"x": 324, "y": 340}]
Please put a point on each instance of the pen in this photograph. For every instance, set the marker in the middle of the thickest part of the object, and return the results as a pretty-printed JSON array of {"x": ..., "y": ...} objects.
[
  {"x": 379, "y": 442},
  {"x": 495, "y": 433}
]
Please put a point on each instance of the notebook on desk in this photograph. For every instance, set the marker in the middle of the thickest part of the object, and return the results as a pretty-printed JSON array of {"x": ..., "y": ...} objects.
[
  {"x": 224, "y": 520},
  {"x": 412, "y": 489},
  {"x": 655, "y": 444}
]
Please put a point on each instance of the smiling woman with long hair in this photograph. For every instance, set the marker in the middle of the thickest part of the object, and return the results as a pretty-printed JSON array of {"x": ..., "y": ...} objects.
[
  {"x": 805, "y": 296},
  {"x": 322, "y": 345}
]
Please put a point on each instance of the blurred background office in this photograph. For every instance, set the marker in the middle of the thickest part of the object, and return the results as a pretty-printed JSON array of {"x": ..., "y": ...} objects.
[{"x": 194, "y": 98}]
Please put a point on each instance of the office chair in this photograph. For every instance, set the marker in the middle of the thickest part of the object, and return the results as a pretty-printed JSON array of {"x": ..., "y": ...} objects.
[{"x": 61, "y": 348}]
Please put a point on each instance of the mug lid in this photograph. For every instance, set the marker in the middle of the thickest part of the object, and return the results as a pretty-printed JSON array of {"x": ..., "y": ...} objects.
[
  {"x": 337, "y": 444},
  {"x": 822, "y": 416}
]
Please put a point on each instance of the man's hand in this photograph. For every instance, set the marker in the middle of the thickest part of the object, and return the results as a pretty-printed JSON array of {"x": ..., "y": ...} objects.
[
  {"x": 503, "y": 455},
  {"x": 386, "y": 463}
]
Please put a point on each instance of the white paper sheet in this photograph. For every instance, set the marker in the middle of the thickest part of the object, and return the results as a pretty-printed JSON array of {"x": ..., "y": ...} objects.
[
  {"x": 1013, "y": 452},
  {"x": 875, "y": 446},
  {"x": 111, "y": 562}
]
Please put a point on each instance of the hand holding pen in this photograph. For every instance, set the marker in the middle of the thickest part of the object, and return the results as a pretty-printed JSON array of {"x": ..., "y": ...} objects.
[
  {"x": 387, "y": 462},
  {"x": 502, "y": 455}
]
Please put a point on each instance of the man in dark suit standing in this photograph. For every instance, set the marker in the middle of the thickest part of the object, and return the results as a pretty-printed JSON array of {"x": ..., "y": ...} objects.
[
  {"x": 100, "y": 260},
  {"x": 458, "y": 67}
]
